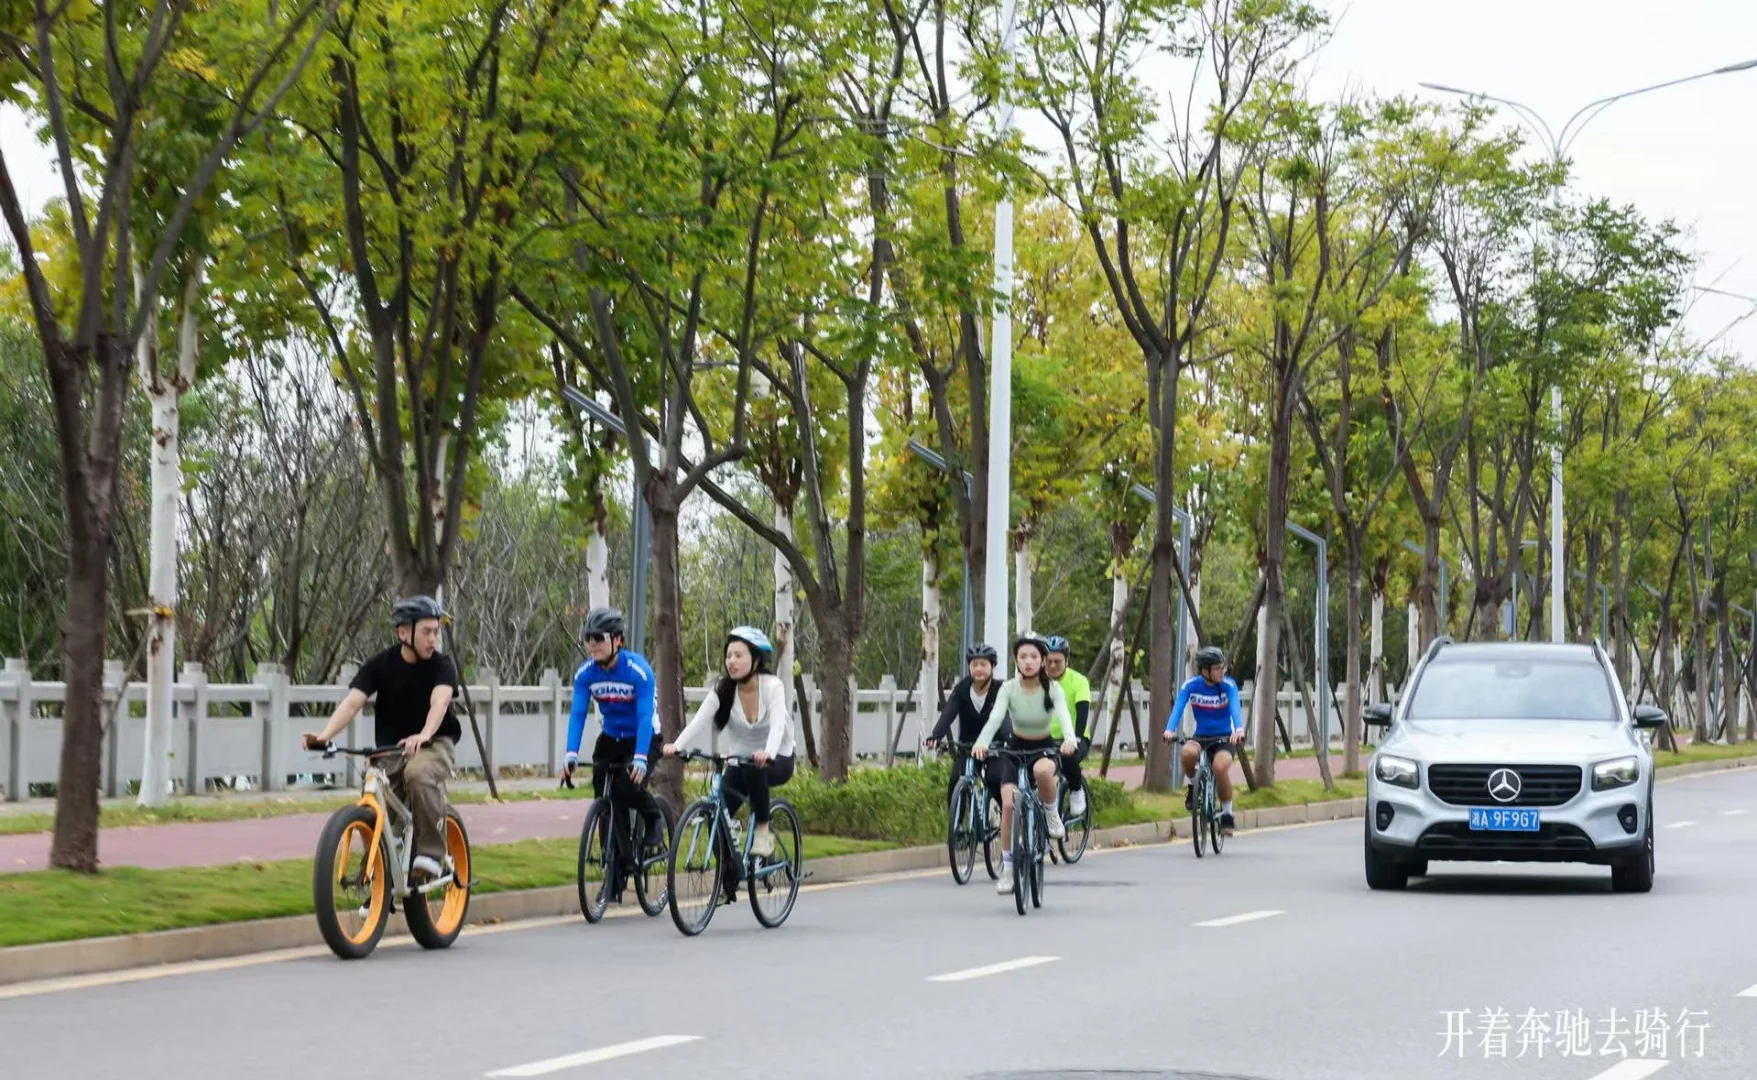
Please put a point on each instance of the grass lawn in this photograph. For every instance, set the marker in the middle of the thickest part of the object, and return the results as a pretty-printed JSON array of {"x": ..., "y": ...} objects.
[
  {"x": 58, "y": 905},
  {"x": 1159, "y": 806},
  {"x": 1709, "y": 752},
  {"x": 242, "y": 808}
]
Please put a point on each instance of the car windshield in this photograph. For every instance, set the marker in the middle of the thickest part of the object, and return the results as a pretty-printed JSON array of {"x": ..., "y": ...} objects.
[{"x": 1470, "y": 688}]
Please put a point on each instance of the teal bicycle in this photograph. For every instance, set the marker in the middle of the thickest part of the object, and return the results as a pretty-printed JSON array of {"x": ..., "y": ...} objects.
[
  {"x": 708, "y": 853},
  {"x": 973, "y": 817}
]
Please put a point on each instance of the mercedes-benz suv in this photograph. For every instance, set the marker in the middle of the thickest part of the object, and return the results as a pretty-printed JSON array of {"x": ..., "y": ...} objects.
[{"x": 1518, "y": 752}]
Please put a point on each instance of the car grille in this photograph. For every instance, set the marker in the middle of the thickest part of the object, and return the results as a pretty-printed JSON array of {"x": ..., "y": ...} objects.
[
  {"x": 1539, "y": 785},
  {"x": 1458, "y": 836}
]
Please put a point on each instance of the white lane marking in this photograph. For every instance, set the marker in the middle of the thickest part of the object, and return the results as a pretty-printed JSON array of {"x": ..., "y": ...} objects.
[
  {"x": 1731, "y": 813},
  {"x": 593, "y": 1057},
  {"x": 1680, "y": 824},
  {"x": 993, "y": 969},
  {"x": 1632, "y": 1069},
  {"x": 1750, "y": 992},
  {"x": 1249, "y": 916}
]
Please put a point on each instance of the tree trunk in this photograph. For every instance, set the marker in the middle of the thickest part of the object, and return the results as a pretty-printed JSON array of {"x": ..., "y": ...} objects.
[
  {"x": 1376, "y": 650},
  {"x": 1619, "y": 605},
  {"x": 1729, "y": 664},
  {"x": 1023, "y": 613},
  {"x": 664, "y": 646},
  {"x": 1427, "y": 590},
  {"x": 166, "y": 396},
  {"x": 1162, "y": 382},
  {"x": 1351, "y": 723},
  {"x": 784, "y": 625},
  {"x": 929, "y": 682},
  {"x": 75, "y": 844},
  {"x": 836, "y": 754},
  {"x": 597, "y": 567},
  {"x": 1119, "y": 601},
  {"x": 1275, "y": 584}
]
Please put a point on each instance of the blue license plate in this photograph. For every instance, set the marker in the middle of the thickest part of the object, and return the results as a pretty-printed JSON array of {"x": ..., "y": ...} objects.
[{"x": 1484, "y": 819}]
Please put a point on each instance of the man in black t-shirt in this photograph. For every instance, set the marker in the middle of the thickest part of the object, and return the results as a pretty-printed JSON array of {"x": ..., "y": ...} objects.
[{"x": 414, "y": 683}]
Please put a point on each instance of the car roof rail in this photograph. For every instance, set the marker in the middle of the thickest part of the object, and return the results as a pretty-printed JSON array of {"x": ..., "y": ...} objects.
[{"x": 1434, "y": 646}]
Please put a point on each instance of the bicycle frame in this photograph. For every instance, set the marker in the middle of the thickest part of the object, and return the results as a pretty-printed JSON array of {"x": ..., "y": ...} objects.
[
  {"x": 723, "y": 821},
  {"x": 377, "y": 795}
]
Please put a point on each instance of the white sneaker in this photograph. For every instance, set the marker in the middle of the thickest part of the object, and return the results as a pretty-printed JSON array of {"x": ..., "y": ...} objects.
[
  {"x": 1054, "y": 823},
  {"x": 762, "y": 843},
  {"x": 1004, "y": 884},
  {"x": 425, "y": 864},
  {"x": 1077, "y": 803}
]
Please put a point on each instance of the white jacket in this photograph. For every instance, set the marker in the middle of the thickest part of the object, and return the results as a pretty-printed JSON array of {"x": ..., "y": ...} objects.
[{"x": 771, "y": 731}]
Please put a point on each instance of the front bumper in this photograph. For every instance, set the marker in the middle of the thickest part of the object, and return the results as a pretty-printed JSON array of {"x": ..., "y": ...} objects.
[{"x": 1588, "y": 828}]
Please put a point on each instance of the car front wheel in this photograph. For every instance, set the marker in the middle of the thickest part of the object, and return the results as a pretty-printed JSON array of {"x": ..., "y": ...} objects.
[
  {"x": 1384, "y": 871},
  {"x": 1635, "y": 875}
]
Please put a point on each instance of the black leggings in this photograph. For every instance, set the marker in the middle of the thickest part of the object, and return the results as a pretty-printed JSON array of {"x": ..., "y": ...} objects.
[
  {"x": 754, "y": 782},
  {"x": 629, "y": 795},
  {"x": 1071, "y": 766}
]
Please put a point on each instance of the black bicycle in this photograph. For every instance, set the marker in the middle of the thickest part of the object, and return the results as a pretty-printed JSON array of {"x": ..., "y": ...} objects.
[
  {"x": 1072, "y": 844},
  {"x": 1030, "y": 829},
  {"x": 606, "y": 860},
  {"x": 972, "y": 817},
  {"x": 1203, "y": 800},
  {"x": 706, "y": 839}
]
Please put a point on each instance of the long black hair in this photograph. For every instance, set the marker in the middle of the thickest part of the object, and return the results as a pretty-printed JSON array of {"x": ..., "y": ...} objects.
[{"x": 727, "y": 690}]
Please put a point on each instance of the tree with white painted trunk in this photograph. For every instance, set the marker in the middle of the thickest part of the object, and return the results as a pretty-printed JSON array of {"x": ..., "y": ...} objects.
[{"x": 164, "y": 391}]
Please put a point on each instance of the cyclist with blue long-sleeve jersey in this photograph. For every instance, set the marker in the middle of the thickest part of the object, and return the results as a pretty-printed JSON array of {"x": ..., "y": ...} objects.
[
  {"x": 622, "y": 684},
  {"x": 1213, "y": 697}
]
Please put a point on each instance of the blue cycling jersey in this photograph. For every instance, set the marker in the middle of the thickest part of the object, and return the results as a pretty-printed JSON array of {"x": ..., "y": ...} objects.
[
  {"x": 1215, "y": 705},
  {"x": 624, "y": 693}
]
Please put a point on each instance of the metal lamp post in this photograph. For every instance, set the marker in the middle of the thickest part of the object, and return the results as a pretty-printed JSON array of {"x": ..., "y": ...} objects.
[
  {"x": 968, "y": 627},
  {"x": 643, "y": 524},
  {"x": 1557, "y": 145}
]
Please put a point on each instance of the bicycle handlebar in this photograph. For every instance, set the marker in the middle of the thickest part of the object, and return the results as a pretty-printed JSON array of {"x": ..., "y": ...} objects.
[
  {"x": 330, "y": 750},
  {"x": 718, "y": 759}
]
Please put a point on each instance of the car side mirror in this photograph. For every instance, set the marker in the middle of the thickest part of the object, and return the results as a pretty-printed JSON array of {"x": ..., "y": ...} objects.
[
  {"x": 1378, "y": 714},
  {"x": 1650, "y": 716}
]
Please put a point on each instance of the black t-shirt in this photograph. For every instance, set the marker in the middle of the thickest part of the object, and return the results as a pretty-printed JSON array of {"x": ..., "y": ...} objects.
[{"x": 405, "y": 694}]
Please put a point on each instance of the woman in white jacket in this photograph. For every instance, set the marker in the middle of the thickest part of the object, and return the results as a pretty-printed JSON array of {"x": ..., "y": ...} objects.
[{"x": 746, "y": 716}]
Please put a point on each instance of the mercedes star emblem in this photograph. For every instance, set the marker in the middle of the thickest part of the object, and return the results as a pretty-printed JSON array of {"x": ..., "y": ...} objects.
[{"x": 1504, "y": 785}]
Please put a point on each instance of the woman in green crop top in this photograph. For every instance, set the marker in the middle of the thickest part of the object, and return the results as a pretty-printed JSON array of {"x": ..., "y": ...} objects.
[{"x": 1039, "y": 715}]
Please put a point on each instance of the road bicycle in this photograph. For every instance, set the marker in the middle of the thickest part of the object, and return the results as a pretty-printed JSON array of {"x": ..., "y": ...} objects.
[
  {"x": 1073, "y": 844},
  {"x": 361, "y": 873},
  {"x": 973, "y": 817},
  {"x": 707, "y": 838},
  {"x": 606, "y": 862},
  {"x": 1204, "y": 802},
  {"x": 1030, "y": 829}
]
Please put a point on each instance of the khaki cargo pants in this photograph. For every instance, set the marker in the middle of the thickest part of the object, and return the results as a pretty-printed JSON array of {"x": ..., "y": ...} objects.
[{"x": 420, "y": 782}]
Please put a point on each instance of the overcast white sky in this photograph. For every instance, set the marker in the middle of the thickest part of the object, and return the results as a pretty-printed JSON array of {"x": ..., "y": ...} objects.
[{"x": 1686, "y": 153}]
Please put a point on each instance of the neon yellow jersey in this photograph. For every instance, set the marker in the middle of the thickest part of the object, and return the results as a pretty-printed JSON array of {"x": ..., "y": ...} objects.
[{"x": 1075, "y": 688}]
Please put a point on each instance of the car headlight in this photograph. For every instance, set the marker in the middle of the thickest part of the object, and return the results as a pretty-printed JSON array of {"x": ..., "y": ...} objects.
[
  {"x": 1615, "y": 774},
  {"x": 1399, "y": 771}
]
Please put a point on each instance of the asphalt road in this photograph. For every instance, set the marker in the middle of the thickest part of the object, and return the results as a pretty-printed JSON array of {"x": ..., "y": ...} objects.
[{"x": 1306, "y": 975}]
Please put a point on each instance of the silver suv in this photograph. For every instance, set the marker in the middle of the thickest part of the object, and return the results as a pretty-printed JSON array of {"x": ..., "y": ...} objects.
[{"x": 1515, "y": 751}]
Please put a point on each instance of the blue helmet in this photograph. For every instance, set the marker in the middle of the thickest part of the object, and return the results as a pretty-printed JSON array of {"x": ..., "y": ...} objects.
[
  {"x": 1059, "y": 644},
  {"x": 757, "y": 640}
]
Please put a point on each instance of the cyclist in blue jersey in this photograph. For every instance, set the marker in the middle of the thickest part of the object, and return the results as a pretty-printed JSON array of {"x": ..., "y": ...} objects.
[
  {"x": 622, "y": 684},
  {"x": 1213, "y": 696}
]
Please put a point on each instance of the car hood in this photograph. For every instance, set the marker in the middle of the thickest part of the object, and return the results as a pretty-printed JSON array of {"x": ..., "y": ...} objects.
[{"x": 1493, "y": 741}]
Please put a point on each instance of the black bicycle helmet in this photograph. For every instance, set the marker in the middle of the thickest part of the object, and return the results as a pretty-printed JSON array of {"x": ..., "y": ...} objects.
[
  {"x": 1059, "y": 644},
  {"x": 605, "y": 620},
  {"x": 1209, "y": 656},
  {"x": 982, "y": 652},
  {"x": 412, "y": 609}
]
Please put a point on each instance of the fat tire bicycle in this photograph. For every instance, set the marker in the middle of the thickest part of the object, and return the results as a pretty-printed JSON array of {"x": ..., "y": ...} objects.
[
  {"x": 972, "y": 816},
  {"x": 1204, "y": 801},
  {"x": 601, "y": 850},
  {"x": 361, "y": 873},
  {"x": 706, "y": 833}
]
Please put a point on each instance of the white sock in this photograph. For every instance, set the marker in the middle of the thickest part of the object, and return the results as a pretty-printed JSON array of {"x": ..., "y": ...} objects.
[
  {"x": 1226, "y": 807},
  {"x": 1007, "y": 860}
]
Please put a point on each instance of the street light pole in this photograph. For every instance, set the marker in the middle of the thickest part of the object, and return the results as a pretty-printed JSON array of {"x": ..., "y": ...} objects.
[
  {"x": 1557, "y": 145},
  {"x": 968, "y": 627},
  {"x": 1000, "y": 392}
]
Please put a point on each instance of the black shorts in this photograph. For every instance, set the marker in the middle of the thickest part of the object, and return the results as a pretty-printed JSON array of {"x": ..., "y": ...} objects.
[{"x": 1212, "y": 744}]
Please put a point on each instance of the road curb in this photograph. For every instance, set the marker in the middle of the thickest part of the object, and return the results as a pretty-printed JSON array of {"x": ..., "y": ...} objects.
[{"x": 87, "y": 956}]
